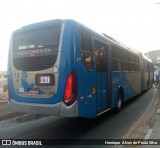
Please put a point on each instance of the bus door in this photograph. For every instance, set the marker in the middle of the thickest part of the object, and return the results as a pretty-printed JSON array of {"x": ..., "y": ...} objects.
[{"x": 102, "y": 76}]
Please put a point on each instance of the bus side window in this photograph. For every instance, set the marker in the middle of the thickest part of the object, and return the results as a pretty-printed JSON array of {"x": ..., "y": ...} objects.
[
  {"x": 101, "y": 51},
  {"x": 116, "y": 58},
  {"x": 86, "y": 50}
]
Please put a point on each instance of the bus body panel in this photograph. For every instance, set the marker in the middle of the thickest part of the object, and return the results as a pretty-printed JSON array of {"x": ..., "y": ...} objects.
[
  {"x": 35, "y": 108},
  {"x": 127, "y": 82},
  {"x": 58, "y": 109}
]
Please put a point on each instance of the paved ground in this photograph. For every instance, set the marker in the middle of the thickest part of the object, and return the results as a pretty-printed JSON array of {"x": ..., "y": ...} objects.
[
  {"x": 148, "y": 126},
  {"x": 4, "y": 112}
]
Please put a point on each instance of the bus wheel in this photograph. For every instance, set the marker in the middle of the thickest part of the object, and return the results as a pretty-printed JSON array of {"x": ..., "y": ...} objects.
[{"x": 119, "y": 101}]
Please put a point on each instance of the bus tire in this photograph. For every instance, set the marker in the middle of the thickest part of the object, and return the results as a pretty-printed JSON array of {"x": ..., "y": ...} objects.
[{"x": 119, "y": 101}]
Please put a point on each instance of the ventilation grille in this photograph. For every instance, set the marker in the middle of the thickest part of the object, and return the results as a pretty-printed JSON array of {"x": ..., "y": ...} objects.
[{"x": 34, "y": 63}]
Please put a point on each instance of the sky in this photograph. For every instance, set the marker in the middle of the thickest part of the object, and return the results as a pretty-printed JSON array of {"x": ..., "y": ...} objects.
[{"x": 135, "y": 23}]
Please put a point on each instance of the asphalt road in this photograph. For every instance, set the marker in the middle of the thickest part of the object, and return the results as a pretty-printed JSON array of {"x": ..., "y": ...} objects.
[
  {"x": 107, "y": 126},
  {"x": 5, "y": 113}
]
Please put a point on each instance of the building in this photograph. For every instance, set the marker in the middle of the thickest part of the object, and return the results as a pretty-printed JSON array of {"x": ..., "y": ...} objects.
[{"x": 154, "y": 56}]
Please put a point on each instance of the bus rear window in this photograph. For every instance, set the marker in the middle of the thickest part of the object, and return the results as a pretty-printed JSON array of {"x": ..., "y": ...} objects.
[
  {"x": 39, "y": 41},
  {"x": 36, "y": 49}
]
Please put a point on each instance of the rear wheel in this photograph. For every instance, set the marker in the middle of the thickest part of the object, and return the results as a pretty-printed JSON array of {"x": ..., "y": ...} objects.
[{"x": 119, "y": 101}]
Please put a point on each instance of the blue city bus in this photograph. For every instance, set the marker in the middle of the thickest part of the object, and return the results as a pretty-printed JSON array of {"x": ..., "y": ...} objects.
[{"x": 63, "y": 68}]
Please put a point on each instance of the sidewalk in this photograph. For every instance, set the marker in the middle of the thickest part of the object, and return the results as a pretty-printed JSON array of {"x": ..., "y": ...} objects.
[
  {"x": 147, "y": 127},
  {"x": 154, "y": 131}
]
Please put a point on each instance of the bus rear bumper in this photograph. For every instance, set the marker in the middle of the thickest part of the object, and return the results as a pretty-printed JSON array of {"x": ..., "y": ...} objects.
[{"x": 58, "y": 109}]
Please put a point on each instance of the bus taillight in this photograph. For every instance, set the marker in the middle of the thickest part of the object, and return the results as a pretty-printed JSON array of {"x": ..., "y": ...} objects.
[{"x": 70, "y": 89}]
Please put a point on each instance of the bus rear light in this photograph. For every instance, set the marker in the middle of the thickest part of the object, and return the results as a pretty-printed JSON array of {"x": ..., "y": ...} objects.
[{"x": 70, "y": 92}]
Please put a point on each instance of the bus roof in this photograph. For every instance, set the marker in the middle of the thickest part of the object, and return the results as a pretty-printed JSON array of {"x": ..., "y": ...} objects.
[
  {"x": 146, "y": 58},
  {"x": 38, "y": 25}
]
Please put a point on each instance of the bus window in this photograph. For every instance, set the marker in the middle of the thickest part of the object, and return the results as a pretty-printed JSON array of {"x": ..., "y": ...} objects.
[
  {"x": 116, "y": 65},
  {"x": 116, "y": 58},
  {"x": 137, "y": 67},
  {"x": 131, "y": 57},
  {"x": 86, "y": 50},
  {"x": 132, "y": 67},
  {"x": 116, "y": 52},
  {"x": 126, "y": 66},
  {"x": 136, "y": 60},
  {"x": 36, "y": 46},
  {"x": 101, "y": 56},
  {"x": 124, "y": 55}
]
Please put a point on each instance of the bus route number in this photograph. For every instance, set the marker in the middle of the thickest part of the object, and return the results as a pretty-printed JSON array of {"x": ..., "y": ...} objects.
[{"x": 44, "y": 80}]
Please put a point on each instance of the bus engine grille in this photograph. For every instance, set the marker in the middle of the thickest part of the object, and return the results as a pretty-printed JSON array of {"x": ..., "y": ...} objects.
[{"x": 34, "y": 63}]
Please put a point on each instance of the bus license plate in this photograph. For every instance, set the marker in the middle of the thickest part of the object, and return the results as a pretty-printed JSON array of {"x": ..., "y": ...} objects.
[{"x": 33, "y": 91}]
